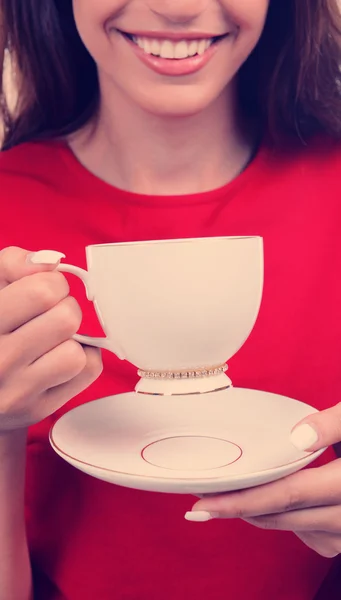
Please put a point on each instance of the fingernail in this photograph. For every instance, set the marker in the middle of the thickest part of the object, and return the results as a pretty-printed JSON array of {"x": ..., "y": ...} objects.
[
  {"x": 200, "y": 516},
  {"x": 304, "y": 437},
  {"x": 44, "y": 257}
]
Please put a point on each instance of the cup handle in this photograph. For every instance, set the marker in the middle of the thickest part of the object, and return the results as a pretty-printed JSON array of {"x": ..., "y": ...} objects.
[{"x": 88, "y": 340}]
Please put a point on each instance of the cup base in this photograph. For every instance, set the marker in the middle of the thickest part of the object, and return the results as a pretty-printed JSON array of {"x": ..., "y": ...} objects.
[{"x": 181, "y": 387}]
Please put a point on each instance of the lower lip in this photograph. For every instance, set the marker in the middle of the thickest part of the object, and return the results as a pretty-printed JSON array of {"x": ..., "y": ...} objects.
[{"x": 174, "y": 67}]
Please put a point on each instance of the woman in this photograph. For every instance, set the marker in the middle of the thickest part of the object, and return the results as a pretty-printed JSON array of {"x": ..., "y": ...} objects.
[{"x": 151, "y": 119}]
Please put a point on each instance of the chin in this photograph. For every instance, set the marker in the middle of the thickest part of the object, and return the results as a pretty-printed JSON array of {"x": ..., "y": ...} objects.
[{"x": 177, "y": 102}]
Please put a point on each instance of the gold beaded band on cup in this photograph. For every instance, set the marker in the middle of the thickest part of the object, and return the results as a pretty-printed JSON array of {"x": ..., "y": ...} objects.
[{"x": 188, "y": 374}]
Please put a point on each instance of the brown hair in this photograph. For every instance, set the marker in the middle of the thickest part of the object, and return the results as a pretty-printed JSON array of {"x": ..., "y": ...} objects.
[{"x": 290, "y": 83}]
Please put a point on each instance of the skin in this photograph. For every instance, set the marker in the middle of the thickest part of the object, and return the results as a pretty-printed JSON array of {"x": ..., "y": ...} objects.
[
  {"x": 122, "y": 74},
  {"x": 41, "y": 367},
  {"x": 152, "y": 135},
  {"x": 307, "y": 503}
]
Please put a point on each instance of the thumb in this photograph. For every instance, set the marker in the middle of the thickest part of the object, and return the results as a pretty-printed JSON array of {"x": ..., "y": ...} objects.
[
  {"x": 16, "y": 263},
  {"x": 319, "y": 430}
]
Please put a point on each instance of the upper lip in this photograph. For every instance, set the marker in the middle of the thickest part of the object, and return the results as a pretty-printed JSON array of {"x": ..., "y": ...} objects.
[{"x": 174, "y": 35}]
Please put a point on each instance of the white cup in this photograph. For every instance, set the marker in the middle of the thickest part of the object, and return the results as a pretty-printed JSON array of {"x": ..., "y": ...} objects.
[{"x": 176, "y": 309}]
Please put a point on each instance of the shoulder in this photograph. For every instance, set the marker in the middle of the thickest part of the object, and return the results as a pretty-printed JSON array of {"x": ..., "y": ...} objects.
[
  {"x": 34, "y": 163},
  {"x": 35, "y": 190},
  {"x": 319, "y": 157}
]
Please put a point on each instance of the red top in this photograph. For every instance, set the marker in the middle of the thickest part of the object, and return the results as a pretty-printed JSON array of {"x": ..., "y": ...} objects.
[{"x": 89, "y": 539}]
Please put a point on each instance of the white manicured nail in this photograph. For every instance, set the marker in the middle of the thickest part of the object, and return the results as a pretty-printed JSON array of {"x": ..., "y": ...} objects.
[
  {"x": 45, "y": 257},
  {"x": 199, "y": 516},
  {"x": 304, "y": 437}
]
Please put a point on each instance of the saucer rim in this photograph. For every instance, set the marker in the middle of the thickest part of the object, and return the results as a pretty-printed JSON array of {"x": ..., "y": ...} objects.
[
  {"x": 304, "y": 460},
  {"x": 233, "y": 478}
]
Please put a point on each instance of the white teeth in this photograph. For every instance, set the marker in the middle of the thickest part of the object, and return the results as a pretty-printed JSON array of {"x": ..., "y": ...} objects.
[
  {"x": 155, "y": 47},
  {"x": 171, "y": 50},
  {"x": 147, "y": 46},
  {"x": 202, "y": 46},
  {"x": 167, "y": 49},
  {"x": 193, "y": 48},
  {"x": 181, "y": 50}
]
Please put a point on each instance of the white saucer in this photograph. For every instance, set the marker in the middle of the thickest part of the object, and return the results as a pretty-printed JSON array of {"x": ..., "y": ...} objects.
[{"x": 195, "y": 444}]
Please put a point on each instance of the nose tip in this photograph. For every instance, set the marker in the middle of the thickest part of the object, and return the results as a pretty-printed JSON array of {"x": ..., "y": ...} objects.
[{"x": 178, "y": 11}]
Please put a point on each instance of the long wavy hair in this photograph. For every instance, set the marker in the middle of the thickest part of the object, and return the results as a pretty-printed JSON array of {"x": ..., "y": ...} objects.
[{"x": 291, "y": 82}]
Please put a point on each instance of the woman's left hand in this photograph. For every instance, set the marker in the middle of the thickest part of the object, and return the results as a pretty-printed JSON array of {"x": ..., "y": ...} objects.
[{"x": 307, "y": 503}]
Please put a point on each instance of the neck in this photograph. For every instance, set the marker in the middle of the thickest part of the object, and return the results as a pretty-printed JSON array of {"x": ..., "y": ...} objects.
[{"x": 157, "y": 155}]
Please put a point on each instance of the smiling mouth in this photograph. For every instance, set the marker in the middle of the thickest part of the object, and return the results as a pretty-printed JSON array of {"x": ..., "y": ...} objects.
[{"x": 171, "y": 49}]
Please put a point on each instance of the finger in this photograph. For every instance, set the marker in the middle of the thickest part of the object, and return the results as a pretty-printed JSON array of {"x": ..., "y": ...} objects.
[
  {"x": 16, "y": 263},
  {"x": 319, "y": 430},
  {"x": 27, "y": 298},
  {"x": 312, "y": 487},
  {"x": 57, "y": 396},
  {"x": 326, "y": 518},
  {"x": 39, "y": 336},
  {"x": 325, "y": 544},
  {"x": 68, "y": 369},
  {"x": 60, "y": 365}
]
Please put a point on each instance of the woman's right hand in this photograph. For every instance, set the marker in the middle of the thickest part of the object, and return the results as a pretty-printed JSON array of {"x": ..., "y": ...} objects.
[{"x": 41, "y": 366}]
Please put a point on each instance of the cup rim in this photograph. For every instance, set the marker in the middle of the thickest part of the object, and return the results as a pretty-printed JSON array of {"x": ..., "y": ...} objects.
[{"x": 178, "y": 241}]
